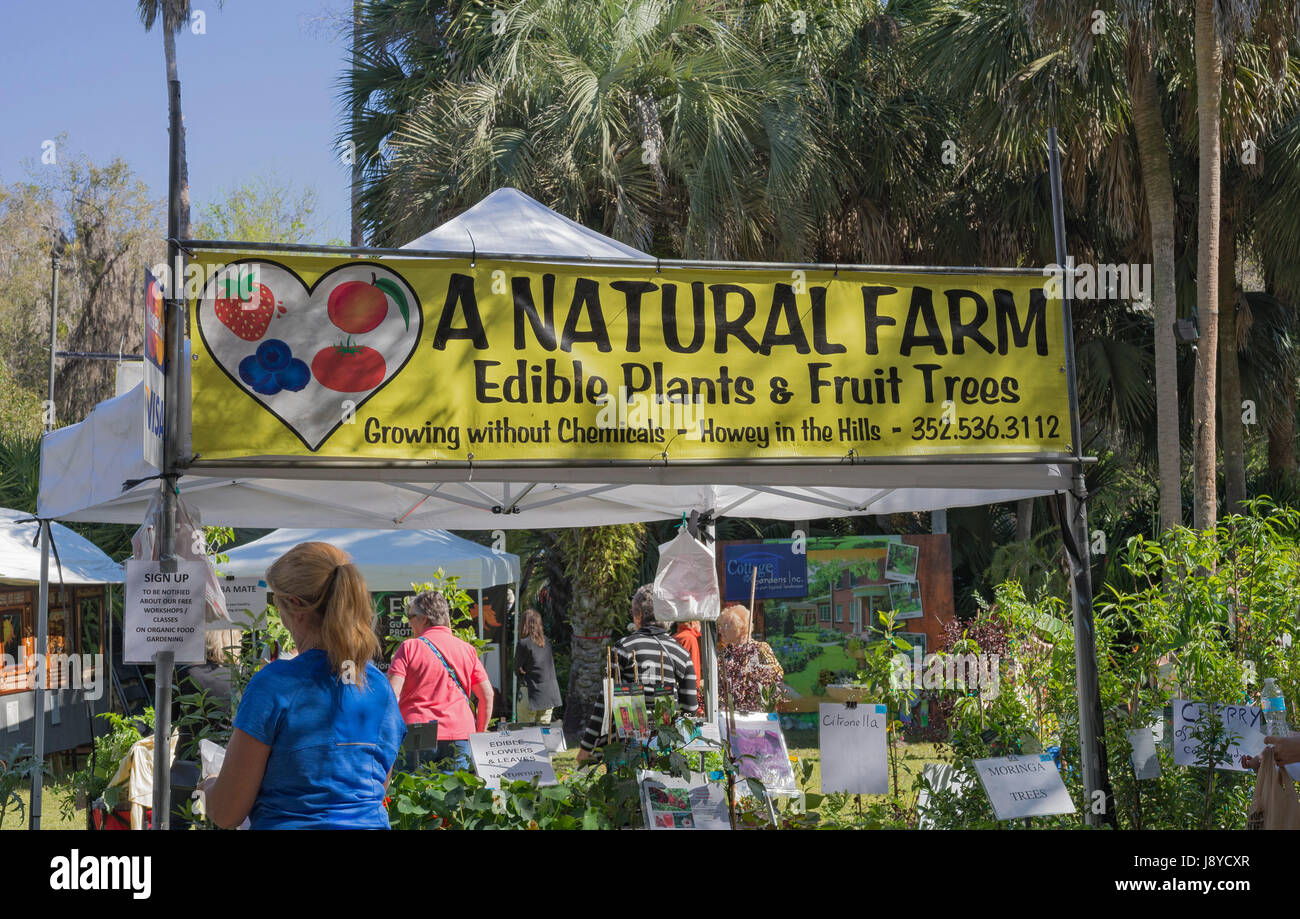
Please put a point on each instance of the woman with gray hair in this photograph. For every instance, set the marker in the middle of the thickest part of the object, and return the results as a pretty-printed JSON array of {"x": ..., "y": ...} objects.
[
  {"x": 434, "y": 674},
  {"x": 648, "y": 656}
]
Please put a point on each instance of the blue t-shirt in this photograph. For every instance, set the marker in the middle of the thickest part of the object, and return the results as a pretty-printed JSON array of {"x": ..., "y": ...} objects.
[{"x": 332, "y": 745}]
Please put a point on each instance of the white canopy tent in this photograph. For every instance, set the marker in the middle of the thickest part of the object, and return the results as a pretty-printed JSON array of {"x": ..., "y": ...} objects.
[
  {"x": 393, "y": 561},
  {"x": 62, "y": 713},
  {"x": 510, "y": 221},
  {"x": 388, "y": 560},
  {"x": 77, "y": 559},
  {"x": 85, "y": 466}
]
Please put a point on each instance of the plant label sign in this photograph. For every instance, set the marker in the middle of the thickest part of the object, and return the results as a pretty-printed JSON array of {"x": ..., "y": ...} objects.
[
  {"x": 1244, "y": 723},
  {"x": 671, "y": 803},
  {"x": 853, "y": 750},
  {"x": 164, "y": 611},
  {"x": 516, "y": 756},
  {"x": 245, "y": 602},
  {"x": 1146, "y": 764},
  {"x": 708, "y": 738},
  {"x": 1024, "y": 786}
]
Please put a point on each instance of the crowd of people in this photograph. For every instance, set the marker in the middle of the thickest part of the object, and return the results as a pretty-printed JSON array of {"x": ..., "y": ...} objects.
[{"x": 317, "y": 736}]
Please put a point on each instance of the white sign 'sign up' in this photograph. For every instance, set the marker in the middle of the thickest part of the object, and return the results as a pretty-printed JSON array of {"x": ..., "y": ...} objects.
[{"x": 164, "y": 611}]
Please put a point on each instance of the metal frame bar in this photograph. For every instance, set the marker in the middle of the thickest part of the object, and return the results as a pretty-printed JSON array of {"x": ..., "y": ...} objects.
[
  {"x": 344, "y": 465},
  {"x": 570, "y": 495},
  {"x": 611, "y": 261},
  {"x": 351, "y": 509}
]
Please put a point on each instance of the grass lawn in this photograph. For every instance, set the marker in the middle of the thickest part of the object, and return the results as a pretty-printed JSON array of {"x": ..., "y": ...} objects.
[
  {"x": 52, "y": 798},
  {"x": 804, "y": 745},
  {"x": 832, "y": 658}
]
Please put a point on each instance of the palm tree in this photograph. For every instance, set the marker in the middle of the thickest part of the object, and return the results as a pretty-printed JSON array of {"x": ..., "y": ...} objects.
[
  {"x": 653, "y": 122},
  {"x": 602, "y": 564},
  {"x": 1209, "y": 89},
  {"x": 1261, "y": 93},
  {"x": 1158, "y": 190},
  {"x": 175, "y": 14}
]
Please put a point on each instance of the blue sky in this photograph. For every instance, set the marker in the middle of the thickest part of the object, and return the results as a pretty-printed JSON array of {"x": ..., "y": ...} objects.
[{"x": 259, "y": 92}]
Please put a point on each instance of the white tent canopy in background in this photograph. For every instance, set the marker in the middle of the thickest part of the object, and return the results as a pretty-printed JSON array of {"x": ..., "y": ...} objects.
[
  {"x": 510, "y": 221},
  {"x": 388, "y": 560},
  {"x": 79, "y": 561},
  {"x": 84, "y": 465}
]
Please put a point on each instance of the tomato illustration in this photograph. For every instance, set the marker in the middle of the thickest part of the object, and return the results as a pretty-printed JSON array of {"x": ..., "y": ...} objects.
[{"x": 349, "y": 368}]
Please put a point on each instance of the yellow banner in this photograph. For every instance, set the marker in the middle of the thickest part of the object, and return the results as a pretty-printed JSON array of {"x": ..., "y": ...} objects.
[{"x": 441, "y": 360}]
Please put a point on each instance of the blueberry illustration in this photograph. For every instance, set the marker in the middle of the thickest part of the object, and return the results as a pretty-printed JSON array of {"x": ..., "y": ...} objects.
[
  {"x": 258, "y": 377},
  {"x": 274, "y": 354},
  {"x": 294, "y": 377}
]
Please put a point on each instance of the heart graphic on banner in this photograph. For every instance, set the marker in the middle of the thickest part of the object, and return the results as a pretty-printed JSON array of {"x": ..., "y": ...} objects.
[{"x": 310, "y": 355}]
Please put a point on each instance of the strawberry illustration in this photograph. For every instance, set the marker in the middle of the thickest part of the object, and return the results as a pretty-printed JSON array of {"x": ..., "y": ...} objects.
[{"x": 246, "y": 318}]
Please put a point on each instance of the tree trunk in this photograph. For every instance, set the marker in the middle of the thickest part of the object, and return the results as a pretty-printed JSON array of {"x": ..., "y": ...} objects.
[
  {"x": 1234, "y": 441},
  {"x": 170, "y": 28},
  {"x": 1158, "y": 186},
  {"x": 357, "y": 237},
  {"x": 1209, "y": 89},
  {"x": 587, "y": 665},
  {"x": 1281, "y": 432},
  {"x": 1024, "y": 519}
]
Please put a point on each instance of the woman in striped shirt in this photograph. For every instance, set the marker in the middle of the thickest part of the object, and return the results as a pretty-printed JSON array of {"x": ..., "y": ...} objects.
[{"x": 648, "y": 656}]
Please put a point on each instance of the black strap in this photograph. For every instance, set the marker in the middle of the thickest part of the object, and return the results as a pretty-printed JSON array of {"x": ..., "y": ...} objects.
[{"x": 454, "y": 677}]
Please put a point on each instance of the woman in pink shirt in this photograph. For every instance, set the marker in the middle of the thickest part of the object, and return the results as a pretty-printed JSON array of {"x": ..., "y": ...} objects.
[{"x": 434, "y": 675}]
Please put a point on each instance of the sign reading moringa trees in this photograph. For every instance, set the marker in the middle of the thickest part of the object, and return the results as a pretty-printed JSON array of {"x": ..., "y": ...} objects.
[{"x": 448, "y": 360}]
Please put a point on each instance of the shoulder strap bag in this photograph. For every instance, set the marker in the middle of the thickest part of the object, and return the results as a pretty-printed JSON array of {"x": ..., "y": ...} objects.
[{"x": 450, "y": 670}]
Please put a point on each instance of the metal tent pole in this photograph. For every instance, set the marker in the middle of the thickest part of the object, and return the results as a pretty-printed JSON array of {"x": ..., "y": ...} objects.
[
  {"x": 514, "y": 667},
  {"x": 38, "y": 698},
  {"x": 174, "y": 331},
  {"x": 43, "y": 601},
  {"x": 1099, "y": 799},
  {"x": 106, "y": 643}
]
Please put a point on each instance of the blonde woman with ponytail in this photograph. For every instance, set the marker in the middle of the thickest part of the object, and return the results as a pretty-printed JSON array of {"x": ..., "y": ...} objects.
[{"x": 315, "y": 735}]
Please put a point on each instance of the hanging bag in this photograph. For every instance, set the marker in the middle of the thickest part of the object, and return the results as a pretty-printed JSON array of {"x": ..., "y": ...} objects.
[
  {"x": 686, "y": 583},
  {"x": 1275, "y": 805}
]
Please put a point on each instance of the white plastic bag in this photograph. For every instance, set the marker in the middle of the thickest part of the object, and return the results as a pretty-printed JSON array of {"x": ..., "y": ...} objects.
[
  {"x": 189, "y": 544},
  {"x": 686, "y": 584},
  {"x": 212, "y": 756}
]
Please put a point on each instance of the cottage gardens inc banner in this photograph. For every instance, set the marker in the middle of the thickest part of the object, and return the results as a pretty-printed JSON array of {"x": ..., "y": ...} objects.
[{"x": 441, "y": 360}]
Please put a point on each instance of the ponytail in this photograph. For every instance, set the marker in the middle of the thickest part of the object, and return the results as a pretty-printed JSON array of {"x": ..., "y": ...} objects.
[
  {"x": 345, "y": 630},
  {"x": 324, "y": 577}
]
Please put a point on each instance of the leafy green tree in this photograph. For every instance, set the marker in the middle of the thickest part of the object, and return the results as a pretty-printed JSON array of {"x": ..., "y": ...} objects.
[
  {"x": 602, "y": 564},
  {"x": 114, "y": 224},
  {"x": 260, "y": 210}
]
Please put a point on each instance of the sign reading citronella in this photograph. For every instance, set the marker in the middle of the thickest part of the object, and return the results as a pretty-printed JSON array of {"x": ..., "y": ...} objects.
[
  {"x": 335, "y": 357},
  {"x": 163, "y": 611},
  {"x": 1024, "y": 786},
  {"x": 512, "y": 756},
  {"x": 854, "y": 756}
]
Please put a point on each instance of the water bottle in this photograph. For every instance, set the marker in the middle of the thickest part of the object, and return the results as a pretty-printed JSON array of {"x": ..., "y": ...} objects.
[{"x": 1274, "y": 708}]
